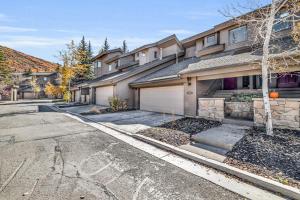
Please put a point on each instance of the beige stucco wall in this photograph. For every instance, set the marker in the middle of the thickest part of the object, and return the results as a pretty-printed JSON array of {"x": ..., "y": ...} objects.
[
  {"x": 171, "y": 50},
  {"x": 104, "y": 68},
  {"x": 285, "y": 113},
  {"x": 190, "y": 52},
  {"x": 197, "y": 89}
]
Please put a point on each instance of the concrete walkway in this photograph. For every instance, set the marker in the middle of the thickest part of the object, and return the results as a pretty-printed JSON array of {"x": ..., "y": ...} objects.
[{"x": 214, "y": 143}]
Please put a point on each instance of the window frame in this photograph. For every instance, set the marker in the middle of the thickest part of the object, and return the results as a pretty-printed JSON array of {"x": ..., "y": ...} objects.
[
  {"x": 282, "y": 28},
  {"x": 109, "y": 68},
  {"x": 207, "y": 44},
  {"x": 246, "y": 34}
]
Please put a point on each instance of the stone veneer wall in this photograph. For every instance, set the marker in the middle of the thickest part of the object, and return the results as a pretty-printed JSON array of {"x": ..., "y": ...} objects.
[
  {"x": 285, "y": 113},
  {"x": 211, "y": 108},
  {"x": 240, "y": 110}
]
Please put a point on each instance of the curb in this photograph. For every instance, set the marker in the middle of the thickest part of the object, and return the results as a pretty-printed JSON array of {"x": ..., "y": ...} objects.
[
  {"x": 268, "y": 184},
  {"x": 30, "y": 102}
]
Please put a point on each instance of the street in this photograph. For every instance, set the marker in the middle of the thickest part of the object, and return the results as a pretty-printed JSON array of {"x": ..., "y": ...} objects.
[{"x": 60, "y": 158}]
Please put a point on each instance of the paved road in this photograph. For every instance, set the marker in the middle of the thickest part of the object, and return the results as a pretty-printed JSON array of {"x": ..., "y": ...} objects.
[{"x": 65, "y": 159}]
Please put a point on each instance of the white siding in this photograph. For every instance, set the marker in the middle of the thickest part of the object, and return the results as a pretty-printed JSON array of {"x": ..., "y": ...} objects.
[{"x": 163, "y": 99}]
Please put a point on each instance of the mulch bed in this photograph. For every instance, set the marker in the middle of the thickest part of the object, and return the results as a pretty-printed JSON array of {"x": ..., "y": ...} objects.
[
  {"x": 275, "y": 157},
  {"x": 178, "y": 132}
]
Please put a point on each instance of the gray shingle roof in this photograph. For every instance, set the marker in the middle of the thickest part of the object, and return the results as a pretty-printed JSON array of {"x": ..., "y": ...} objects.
[
  {"x": 167, "y": 72},
  {"x": 121, "y": 75},
  {"x": 221, "y": 61}
]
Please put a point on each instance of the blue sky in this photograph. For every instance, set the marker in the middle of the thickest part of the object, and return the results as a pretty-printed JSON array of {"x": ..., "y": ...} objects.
[{"x": 42, "y": 27}]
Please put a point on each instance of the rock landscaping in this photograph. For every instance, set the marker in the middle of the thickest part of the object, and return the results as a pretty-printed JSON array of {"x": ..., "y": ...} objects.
[
  {"x": 276, "y": 157},
  {"x": 178, "y": 132}
]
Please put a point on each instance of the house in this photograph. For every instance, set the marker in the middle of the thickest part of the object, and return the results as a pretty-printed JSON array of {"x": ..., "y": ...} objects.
[
  {"x": 116, "y": 72},
  {"x": 220, "y": 64},
  {"x": 25, "y": 88}
]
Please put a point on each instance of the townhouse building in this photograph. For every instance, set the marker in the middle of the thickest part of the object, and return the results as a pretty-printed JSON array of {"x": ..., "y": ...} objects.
[
  {"x": 114, "y": 71},
  {"x": 215, "y": 74}
]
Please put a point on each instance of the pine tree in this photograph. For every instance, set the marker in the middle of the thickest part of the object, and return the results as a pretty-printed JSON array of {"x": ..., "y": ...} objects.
[
  {"x": 82, "y": 52},
  {"x": 90, "y": 53},
  {"x": 124, "y": 47},
  {"x": 105, "y": 46}
]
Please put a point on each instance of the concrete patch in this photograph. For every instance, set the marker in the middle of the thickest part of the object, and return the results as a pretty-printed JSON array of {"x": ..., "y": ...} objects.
[{"x": 225, "y": 136}]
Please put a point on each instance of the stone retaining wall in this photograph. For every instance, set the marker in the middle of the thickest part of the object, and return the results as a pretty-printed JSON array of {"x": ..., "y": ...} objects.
[
  {"x": 211, "y": 108},
  {"x": 285, "y": 112},
  {"x": 240, "y": 110}
]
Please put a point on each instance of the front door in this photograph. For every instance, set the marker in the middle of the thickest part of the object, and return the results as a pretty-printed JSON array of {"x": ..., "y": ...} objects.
[{"x": 230, "y": 83}]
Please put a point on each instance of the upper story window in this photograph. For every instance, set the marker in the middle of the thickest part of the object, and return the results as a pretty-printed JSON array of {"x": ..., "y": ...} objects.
[
  {"x": 211, "y": 40},
  {"x": 238, "y": 35},
  {"x": 143, "y": 54},
  {"x": 155, "y": 54},
  {"x": 99, "y": 64},
  {"x": 282, "y": 22},
  {"x": 109, "y": 67}
]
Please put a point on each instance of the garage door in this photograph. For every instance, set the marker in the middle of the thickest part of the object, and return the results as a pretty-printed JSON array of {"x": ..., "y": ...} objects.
[
  {"x": 102, "y": 95},
  {"x": 77, "y": 95},
  {"x": 163, "y": 99}
]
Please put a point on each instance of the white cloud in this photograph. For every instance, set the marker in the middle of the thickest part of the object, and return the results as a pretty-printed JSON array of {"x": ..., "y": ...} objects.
[
  {"x": 30, "y": 41},
  {"x": 12, "y": 29},
  {"x": 177, "y": 31}
]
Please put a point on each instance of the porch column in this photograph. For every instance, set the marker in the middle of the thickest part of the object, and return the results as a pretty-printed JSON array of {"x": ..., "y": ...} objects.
[{"x": 190, "y": 97}]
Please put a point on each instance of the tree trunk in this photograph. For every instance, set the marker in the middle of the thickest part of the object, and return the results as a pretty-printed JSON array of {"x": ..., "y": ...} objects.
[{"x": 265, "y": 69}]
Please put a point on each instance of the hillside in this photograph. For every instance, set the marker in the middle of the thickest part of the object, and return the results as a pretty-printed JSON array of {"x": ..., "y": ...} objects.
[{"x": 21, "y": 62}]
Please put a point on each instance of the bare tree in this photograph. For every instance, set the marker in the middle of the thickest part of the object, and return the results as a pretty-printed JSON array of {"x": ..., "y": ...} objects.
[{"x": 267, "y": 23}]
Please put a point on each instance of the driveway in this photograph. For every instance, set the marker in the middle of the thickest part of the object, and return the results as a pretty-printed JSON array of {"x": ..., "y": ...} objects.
[
  {"x": 129, "y": 121},
  {"x": 133, "y": 121},
  {"x": 55, "y": 157}
]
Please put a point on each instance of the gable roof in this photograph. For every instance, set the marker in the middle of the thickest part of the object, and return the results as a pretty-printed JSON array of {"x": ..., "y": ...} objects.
[
  {"x": 115, "y": 77},
  {"x": 147, "y": 46},
  {"x": 107, "y": 52},
  {"x": 168, "y": 73}
]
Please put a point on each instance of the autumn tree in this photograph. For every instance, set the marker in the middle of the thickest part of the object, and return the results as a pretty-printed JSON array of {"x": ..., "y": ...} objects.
[
  {"x": 5, "y": 74},
  {"x": 35, "y": 87},
  {"x": 277, "y": 56}
]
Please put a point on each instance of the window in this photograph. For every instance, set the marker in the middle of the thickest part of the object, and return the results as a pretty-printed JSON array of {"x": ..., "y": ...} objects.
[
  {"x": 99, "y": 64},
  {"x": 143, "y": 54},
  {"x": 155, "y": 54},
  {"x": 281, "y": 22},
  {"x": 211, "y": 40},
  {"x": 45, "y": 78},
  {"x": 109, "y": 67},
  {"x": 238, "y": 35},
  {"x": 137, "y": 55}
]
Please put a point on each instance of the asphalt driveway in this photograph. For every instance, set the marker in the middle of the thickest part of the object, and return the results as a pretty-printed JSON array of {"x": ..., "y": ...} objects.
[
  {"x": 129, "y": 121},
  {"x": 65, "y": 159}
]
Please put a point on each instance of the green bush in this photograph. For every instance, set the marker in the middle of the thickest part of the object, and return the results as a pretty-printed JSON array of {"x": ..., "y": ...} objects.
[{"x": 244, "y": 97}]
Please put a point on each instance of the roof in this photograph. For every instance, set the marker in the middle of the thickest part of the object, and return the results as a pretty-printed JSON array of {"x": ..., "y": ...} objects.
[
  {"x": 221, "y": 60},
  {"x": 219, "y": 27},
  {"x": 245, "y": 55},
  {"x": 107, "y": 52},
  {"x": 20, "y": 62},
  {"x": 166, "y": 39},
  {"x": 115, "y": 77},
  {"x": 167, "y": 73}
]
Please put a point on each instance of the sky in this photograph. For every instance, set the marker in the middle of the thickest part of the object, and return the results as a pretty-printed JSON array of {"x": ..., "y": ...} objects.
[{"x": 43, "y": 27}]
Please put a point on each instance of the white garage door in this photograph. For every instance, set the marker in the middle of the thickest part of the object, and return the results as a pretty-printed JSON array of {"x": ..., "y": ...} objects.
[
  {"x": 77, "y": 96},
  {"x": 102, "y": 95},
  {"x": 163, "y": 99}
]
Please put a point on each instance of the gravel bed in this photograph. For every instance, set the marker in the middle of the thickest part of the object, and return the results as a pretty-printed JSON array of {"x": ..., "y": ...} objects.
[
  {"x": 276, "y": 157},
  {"x": 178, "y": 132}
]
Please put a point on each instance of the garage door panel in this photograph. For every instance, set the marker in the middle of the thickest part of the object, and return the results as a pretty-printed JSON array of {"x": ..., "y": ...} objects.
[
  {"x": 103, "y": 94},
  {"x": 163, "y": 99}
]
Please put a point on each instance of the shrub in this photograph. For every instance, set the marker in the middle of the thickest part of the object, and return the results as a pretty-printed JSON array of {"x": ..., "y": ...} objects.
[{"x": 116, "y": 104}]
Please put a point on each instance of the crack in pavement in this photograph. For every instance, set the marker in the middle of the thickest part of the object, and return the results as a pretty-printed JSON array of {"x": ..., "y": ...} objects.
[{"x": 58, "y": 152}]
